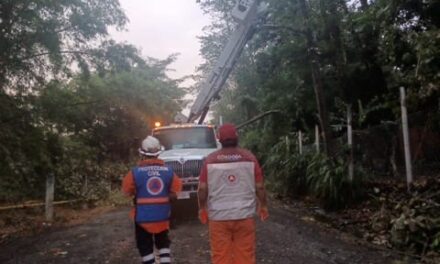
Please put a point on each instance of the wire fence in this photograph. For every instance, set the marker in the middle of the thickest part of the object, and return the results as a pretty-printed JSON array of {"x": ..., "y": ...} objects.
[{"x": 381, "y": 149}]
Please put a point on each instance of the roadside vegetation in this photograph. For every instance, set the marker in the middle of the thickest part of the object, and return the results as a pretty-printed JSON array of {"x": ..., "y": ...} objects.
[
  {"x": 73, "y": 102},
  {"x": 314, "y": 60}
]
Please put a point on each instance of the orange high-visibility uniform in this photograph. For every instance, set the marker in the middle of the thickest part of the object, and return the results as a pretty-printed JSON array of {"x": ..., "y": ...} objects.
[
  {"x": 129, "y": 188},
  {"x": 231, "y": 174},
  {"x": 232, "y": 242}
]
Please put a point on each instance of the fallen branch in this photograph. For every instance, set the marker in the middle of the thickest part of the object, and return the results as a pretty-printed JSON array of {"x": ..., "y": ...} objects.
[{"x": 258, "y": 117}]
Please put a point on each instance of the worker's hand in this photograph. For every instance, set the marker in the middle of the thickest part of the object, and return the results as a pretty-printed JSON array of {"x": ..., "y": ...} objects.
[
  {"x": 203, "y": 216},
  {"x": 263, "y": 213}
]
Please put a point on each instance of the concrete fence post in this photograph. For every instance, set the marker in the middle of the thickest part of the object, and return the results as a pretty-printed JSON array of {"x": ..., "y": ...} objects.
[
  {"x": 350, "y": 143},
  {"x": 50, "y": 193},
  {"x": 317, "y": 138},
  {"x": 408, "y": 165}
]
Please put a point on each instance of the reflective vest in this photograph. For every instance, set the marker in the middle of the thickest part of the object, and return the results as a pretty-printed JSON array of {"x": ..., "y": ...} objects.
[
  {"x": 231, "y": 188},
  {"x": 153, "y": 184}
]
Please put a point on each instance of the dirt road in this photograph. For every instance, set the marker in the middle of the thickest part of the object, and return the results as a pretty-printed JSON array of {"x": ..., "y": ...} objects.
[{"x": 288, "y": 237}]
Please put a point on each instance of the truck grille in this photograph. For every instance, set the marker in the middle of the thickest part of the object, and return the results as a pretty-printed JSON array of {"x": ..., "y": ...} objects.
[{"x": 190, "y": 168}]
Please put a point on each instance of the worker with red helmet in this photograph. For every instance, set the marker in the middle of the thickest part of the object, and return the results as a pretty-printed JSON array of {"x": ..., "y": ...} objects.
[
  {"x": 231, "y": 191},
  {"x": 152, "y": 184}
]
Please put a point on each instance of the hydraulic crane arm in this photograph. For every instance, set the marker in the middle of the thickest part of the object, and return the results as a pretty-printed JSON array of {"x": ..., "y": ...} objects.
[{"x": 245, "y": 13}]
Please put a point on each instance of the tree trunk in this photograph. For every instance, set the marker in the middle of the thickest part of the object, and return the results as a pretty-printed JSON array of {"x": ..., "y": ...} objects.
[{"x": 317, "y": 82}]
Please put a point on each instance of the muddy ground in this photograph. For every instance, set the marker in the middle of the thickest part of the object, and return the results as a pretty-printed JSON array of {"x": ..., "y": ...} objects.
[{"x": 289, "y": 236}]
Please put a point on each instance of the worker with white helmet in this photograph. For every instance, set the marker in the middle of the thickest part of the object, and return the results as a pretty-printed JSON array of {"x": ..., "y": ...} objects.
[{"x": 152, "y": 184}]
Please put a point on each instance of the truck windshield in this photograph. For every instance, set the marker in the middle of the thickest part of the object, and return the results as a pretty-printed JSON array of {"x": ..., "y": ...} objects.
[{"x": 186, "y": 137}]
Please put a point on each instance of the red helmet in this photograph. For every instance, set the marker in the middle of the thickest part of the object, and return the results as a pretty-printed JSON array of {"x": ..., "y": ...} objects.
[{"x": 227, "y": 132}]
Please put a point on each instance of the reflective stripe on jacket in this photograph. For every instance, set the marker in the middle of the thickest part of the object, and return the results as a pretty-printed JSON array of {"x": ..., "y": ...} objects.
[
  {"x": 152, "y": 193},
  {"x": 231, "y": 188}
]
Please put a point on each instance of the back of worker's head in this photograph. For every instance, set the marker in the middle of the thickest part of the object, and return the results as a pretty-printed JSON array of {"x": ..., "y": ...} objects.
[
  {"x": 228, "y": 136},
  {"x": 150, "y": 147}
]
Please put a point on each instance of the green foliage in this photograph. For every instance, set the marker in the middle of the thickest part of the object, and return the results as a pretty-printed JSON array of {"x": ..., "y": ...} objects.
[
  {"x": 50, "y": 38},
  {"x": 293, "y": 175},
  {"x": 417, "y": 225},
  {"x": 84, "y": 131},
  {"x": 364, "y": 51},
  {"x": 73, "y": 102},
  {"x": 80, "y": 175},
  {"x": 397, "y": 218},
  {"x": 329, "y": 181},
  {"x": 435, "y": 245},
  {"x": 26, "y": 152},
  {"x": 286, "y": 170}
]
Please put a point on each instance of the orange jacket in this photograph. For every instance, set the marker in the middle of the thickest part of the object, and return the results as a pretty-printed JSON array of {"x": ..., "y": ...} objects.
[{"x": 129, "y": 188}]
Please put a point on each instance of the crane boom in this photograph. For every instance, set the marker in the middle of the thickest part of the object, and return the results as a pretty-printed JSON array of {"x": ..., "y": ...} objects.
[{"x": 245, "y": 13}]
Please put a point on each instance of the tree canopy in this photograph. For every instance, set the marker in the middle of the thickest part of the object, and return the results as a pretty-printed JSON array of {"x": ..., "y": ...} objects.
[
  {"x": 41, "y": 40},
  {"x": 357, "y": 53},
  {"x": 73, "y": 102}
]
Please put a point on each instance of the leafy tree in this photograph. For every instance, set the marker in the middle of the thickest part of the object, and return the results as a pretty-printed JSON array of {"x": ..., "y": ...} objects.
[
  {"x": 73, "y": 102},
  {"x": 41, "y": 40},
  {"x": 24, "y": 150},
  {"x": 81, "y": 129},
  {"x": 361, "y": 54}
]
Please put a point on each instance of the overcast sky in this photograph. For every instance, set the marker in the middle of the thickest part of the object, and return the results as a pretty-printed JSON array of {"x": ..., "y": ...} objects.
[{"x": 162, "y": 27}]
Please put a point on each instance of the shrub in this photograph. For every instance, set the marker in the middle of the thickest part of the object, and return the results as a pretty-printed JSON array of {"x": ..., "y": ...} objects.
[
  {"x": 286, "y": 170},
  {"x": 417, "y": 223},
  {"x": 328, "y": 180},
  {"x": 291, "y": 175}
]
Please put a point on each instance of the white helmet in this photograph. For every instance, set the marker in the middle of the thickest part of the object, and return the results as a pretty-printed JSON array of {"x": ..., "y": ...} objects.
[{"x": 150, "y": 147}]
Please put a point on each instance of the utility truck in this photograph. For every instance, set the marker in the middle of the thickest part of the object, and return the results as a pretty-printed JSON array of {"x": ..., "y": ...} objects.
[{"x": 185, "y": 147}]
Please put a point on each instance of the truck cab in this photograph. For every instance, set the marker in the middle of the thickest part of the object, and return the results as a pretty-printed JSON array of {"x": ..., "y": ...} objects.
[{"x": 185, "y": 146}]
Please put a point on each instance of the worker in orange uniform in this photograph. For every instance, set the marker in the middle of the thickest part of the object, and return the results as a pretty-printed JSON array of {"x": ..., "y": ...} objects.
[
  {"x": 231, "y": 191},
  {"x": 152, "y": 184}
]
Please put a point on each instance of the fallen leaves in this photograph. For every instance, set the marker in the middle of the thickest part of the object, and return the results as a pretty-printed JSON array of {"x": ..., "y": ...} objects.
[{"x": 394, "y": 218}]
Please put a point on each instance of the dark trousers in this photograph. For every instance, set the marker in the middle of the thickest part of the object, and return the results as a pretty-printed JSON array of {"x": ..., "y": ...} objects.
[{"x": 146, "y": 241}]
